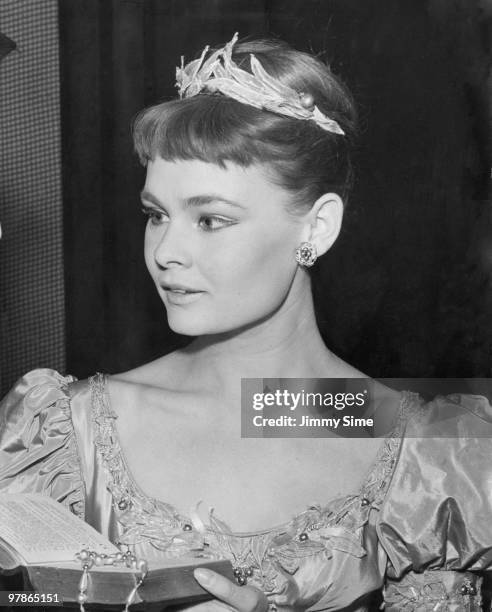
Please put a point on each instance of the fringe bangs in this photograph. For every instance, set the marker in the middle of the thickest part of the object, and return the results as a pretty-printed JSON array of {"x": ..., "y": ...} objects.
[{"x": 209, "y": 128}]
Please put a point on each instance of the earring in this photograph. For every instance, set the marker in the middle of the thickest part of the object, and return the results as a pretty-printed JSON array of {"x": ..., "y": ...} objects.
[{"x": 306, "y": 254}]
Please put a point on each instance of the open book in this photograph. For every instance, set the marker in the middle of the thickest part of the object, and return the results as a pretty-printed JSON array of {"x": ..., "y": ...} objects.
[{"x": 40, "y": 537}]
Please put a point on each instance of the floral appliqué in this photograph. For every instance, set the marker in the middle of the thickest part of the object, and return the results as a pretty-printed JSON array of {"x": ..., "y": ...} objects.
[{"x": 263, "y": 558}]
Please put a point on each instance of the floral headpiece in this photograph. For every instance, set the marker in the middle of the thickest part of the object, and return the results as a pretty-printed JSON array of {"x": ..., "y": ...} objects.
[{"x": 220, "y": 73}]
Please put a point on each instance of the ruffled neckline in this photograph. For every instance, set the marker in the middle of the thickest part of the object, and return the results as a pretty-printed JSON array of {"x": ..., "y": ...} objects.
[
  {"x": 153, "y": 528},
  {"x": 126, "y": 490}
]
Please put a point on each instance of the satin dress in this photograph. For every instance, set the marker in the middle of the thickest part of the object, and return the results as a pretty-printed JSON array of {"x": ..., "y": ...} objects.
[{"x": 417, "y": 534}]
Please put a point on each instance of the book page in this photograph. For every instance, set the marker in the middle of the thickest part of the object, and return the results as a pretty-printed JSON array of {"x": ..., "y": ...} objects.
[{"x": 41, "y": 530}]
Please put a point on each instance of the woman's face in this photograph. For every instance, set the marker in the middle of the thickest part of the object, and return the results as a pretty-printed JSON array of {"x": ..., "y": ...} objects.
[{"x": 219, "y": 244}]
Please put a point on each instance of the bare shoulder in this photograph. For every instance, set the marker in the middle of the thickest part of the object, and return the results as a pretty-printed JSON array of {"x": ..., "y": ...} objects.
[
  {"x": 166, "y": 372},
  {"x": 386, "y": 407},
  {"x": 152, "y": 393},
  {"x": 339, "y": 368},
  {"x": 386, "y": 402}
]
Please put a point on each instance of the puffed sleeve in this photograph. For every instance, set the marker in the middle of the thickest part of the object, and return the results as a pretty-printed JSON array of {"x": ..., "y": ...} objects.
[
  {"x": 38, "y": 447},
  {"x": 436, "y": 521}
]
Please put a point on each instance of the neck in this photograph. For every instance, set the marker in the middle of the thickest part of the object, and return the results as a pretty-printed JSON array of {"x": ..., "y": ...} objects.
[{"x": 285, "y": 345}]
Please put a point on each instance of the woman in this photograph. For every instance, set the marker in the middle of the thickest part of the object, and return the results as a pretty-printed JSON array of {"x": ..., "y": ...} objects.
[{"x": 247, "y": 175}]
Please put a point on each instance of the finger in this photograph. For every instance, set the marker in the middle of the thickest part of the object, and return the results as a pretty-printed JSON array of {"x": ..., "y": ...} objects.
[
  {"x": 210, "y": 606},
  {"x": 244, "y": 599}
]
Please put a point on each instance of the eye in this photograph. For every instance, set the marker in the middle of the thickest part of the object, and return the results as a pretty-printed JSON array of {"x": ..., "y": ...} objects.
[
  {"x": 211, "y": 223},
  {"x": 156, "y": 217}
]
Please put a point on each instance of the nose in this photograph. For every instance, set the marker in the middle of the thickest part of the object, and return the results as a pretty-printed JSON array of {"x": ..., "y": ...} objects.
[{"x": 172, "y": 247}]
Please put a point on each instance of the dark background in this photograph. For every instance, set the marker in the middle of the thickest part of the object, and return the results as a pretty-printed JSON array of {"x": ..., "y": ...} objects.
[{"x": 406, "y": 291}]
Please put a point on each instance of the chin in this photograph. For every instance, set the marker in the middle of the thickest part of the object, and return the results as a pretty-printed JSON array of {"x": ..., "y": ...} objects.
[
  {"x": 184, "y": 328},
  {"x": 195, "y": 329},
  {"x": 189, "y": 325},
  {"x": 201, "y": 323}
]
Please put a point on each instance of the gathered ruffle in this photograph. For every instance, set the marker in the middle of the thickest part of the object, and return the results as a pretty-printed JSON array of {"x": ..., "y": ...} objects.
[{"x": 38, "y": 446}]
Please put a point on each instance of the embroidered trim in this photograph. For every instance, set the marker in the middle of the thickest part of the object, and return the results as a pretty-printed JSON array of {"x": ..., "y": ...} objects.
[
  {"x": 260, "y": 556},
  {"x": 434, "y": 590},
  {"x": 142, "y": 518},
  {"x": 377, "y": 480}
]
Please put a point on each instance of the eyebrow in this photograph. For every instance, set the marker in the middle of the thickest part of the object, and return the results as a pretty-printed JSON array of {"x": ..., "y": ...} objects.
[{"x": 193, "y": 201}]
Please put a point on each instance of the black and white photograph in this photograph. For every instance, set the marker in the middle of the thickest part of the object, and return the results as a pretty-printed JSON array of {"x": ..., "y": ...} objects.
[{"x": 245, "y": 305}]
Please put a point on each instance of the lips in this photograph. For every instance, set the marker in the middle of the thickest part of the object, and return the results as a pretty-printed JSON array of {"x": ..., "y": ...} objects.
[
  {"x": 175, "y": 288},
  {"x": 180, "y": 295}
]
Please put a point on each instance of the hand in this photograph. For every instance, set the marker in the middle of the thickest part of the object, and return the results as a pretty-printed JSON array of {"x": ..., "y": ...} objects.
[{"x": 228, "y": 594}]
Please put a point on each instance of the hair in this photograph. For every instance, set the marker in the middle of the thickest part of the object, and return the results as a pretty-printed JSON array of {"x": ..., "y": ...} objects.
[{"x": 306, "y": 160}]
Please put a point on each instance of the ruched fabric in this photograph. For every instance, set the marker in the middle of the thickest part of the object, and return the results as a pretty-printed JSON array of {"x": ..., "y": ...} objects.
[
  {"x": 38, "y": 447},
  {"x": 420, "y": 527}
]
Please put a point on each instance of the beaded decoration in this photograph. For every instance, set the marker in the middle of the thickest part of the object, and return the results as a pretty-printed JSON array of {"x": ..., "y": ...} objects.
[{"x": 88, "y": 558}]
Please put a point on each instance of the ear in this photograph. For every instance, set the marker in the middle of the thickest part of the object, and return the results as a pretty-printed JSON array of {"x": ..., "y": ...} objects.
[{"x": 325, "y": 221}]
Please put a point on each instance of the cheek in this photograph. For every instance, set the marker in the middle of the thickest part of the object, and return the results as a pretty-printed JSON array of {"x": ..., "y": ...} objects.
[
  {"x": 258, "y": 265},
  {"x": 149, "y": 249}
]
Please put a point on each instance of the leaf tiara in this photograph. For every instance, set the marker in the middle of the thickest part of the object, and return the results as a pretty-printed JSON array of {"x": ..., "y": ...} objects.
[{"x": 220, "y": 73}]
